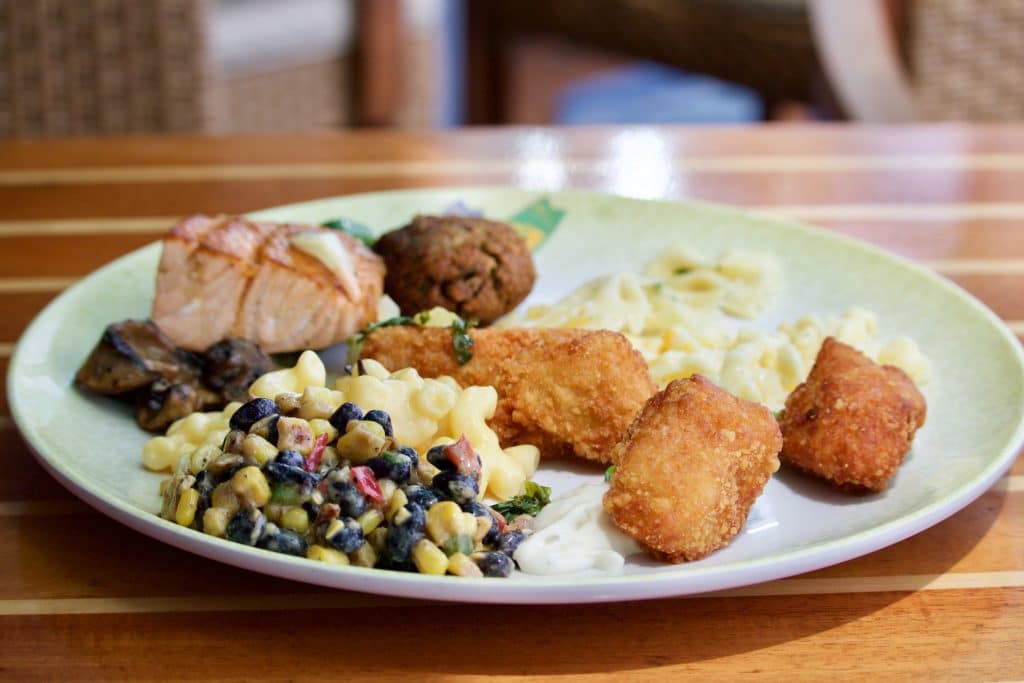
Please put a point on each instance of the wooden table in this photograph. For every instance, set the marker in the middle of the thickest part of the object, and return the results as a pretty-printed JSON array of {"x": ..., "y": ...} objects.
[{"x": 83, "y": 597}]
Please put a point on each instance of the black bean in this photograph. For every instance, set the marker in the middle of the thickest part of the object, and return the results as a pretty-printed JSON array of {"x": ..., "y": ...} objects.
[
  {"x": 493, "y": 564},
  {"x": 345, "y": 412},
  {"x": 422, "y": 496},
  {"x": 403, "y": 535},
  {"x": 246, "y": 526},
  {"x": 281, "y": 472},
  {"x": 285, "y": 541},
  {"x": 480, "y": 510},
  {"x": 437, "y": 458},
  {"x": 204, "y": 484},
  {"x": 386, "y": 561},
  {"x": 344, "y": 534},
  {"x": 347, "y": 497},
  {"x": 290, "y": 458},
  {"x": 266, "y": 427},
  {"x": 458, "y": 487},
  {"x": 411, "y": 453},
  {"x": 251, "y": 413},
  {"x": 391, "y": 465},
  {"x": 381, "y": 418},
  {"x": 509, "y": 541}
]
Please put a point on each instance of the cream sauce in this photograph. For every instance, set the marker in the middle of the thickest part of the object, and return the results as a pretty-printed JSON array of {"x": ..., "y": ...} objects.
[{"x": 573, "y": 534}]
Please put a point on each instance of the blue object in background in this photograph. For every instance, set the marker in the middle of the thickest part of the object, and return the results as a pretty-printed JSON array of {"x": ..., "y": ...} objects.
[{"x": 646, "y": 92}]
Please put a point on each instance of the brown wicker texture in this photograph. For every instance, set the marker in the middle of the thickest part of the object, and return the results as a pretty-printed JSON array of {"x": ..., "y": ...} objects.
[
  {"x": 967, "y": 58},
  {"x": 73, "y": 67},
  {"x": 95, "y": 67}
]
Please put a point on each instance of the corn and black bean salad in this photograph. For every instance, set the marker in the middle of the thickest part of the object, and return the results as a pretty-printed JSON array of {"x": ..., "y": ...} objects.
[{"x": 356, "y": 497}]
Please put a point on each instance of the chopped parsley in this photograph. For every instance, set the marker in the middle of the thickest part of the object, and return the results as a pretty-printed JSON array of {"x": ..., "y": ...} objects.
[
  {"x": 608, "y": 473},
  {"x": 357, "y": 230},
  {"x": 682, "y": 270},
  {"x": 461, "y": 341},
  {"x": 529, "y": 503},
  {"x": 362, "y": 334}
]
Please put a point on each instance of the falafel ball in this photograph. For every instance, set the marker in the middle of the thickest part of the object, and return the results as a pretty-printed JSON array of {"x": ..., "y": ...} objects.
[{"x": 475, "y": 267}]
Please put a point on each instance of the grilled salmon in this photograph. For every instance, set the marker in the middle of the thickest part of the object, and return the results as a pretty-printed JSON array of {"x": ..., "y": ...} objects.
[{"x": 284, "y": 286}]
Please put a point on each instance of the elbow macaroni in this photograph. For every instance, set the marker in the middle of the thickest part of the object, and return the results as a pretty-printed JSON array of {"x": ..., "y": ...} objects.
[
  {"x": 677, "y": 315},
  {"x": 424, "y": 412}
]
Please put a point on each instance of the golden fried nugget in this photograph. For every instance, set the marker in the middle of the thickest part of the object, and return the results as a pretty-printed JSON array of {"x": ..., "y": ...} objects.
[
  {"x": 690, "y": 467},
  {"x": 564, "y": 391},
  {"x": 852, "y": 421}
]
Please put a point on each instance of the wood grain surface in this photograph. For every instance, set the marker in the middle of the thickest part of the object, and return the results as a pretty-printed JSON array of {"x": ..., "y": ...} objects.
[{"x": 82, "y": 597}]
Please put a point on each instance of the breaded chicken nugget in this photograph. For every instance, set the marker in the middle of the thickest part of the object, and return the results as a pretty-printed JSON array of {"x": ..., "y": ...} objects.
[
  {"x": 564, "y": 391},
  {"x": 690, "y": 467},
  {"x": 852, "y": 421}
]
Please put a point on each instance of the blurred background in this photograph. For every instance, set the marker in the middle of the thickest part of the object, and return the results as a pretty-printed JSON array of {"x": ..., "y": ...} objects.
[{"x": 97, "y": 67}]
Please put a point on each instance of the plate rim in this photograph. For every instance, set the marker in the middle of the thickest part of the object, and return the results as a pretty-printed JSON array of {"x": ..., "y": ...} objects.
[{"x": 540, "y": 589}]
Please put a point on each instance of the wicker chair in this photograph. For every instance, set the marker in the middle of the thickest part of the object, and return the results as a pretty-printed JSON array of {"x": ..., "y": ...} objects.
[
  {"x": 924, "y": 59},
  {"x": 93, "y": 67}
]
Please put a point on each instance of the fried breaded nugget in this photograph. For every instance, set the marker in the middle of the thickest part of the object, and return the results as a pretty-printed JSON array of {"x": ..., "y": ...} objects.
[
  {"x": 690, "y": 467},
  {"x": 852, "y": 421},
  {"x": 564, "y": 391}
]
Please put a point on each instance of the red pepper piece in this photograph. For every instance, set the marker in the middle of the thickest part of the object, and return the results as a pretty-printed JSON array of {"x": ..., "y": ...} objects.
[
  {"x": 313, "y": 459},
  {"x": 367, "y": 483},
  {"x": 462, "y": 455}
]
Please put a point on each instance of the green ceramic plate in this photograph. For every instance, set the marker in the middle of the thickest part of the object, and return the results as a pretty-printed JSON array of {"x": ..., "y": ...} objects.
[{"x": 976, "y": 401}]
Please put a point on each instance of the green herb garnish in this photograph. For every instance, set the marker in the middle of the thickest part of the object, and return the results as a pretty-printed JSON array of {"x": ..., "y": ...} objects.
[
  {"x": 461, "y": 340},
  {"x": 362, "y": 334},
  {"x": 357, "y": 230},
  {"x": 682, "y": 270},
  {"x": 529, "y": 503},
  {"x": 608, "y": 473}
]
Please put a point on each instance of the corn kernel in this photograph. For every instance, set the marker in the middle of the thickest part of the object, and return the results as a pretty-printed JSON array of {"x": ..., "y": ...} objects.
[
  {"x": 323, "y": 427},
  {"x": 370, "y": 520},
  {"x": 483, "y": 525},
  {"x": 256, "y": 449},
  {"x": 186, "y": 510},
  {"x": 428, "y": 558},
  {"x": 387, "y": 489},
  {"x": 443, "y": 521},
  {"x": 378, "y": 539},
  {"x": 287, "y": 402},
  {"x": 397, "y": 502},
  {"x": 224, "y": 497},
  {"x": 329, "y": 457},
  {"x": 328, "y": 555},
  {"x": 295, "y": 434},
  {"x": 459, "y": 564},
  {"x": 215, "y": 521},
  {"x": 318, "y": 402},
  {"x": 363, "y": 440},
  {"x": 426, "y": 471},
  {"x": 296, "y": 519},
  {"x": 201, "y": 457},
  {"x": 251, "y": 486},
  {"x": 366, "y": 556},
  {"x": 273, "y": 512}
]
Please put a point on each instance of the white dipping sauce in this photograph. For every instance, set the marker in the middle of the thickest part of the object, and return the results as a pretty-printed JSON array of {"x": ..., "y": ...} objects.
[{"x": 573, "y": 534}]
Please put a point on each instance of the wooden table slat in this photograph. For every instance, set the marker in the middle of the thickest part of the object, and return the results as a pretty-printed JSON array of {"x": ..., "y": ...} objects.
[{"x": 83, "y": 597}]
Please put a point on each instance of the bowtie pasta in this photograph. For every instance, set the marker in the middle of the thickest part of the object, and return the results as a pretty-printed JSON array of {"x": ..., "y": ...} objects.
[
  {"x": 424, "y": 412},
  {"x": 680, "y": 314}
]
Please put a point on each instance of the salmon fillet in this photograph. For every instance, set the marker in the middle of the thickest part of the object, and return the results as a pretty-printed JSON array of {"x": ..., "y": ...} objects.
[
  {"x": 567, "y": 392},
  {"x": 225, "y": 276}
]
